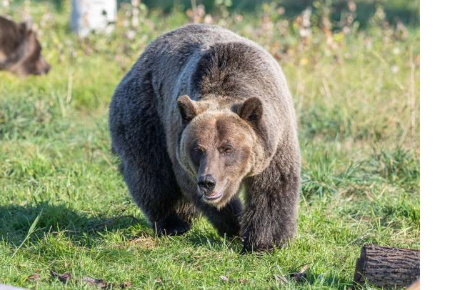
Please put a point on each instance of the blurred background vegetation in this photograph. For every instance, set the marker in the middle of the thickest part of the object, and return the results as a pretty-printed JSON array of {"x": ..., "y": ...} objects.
[{"x": 405, "y": 10}]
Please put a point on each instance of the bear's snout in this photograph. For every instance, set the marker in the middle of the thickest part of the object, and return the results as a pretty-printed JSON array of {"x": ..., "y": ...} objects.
[
  {"x": 206, "y": 184},
  {"x": 43, "y": 67}
]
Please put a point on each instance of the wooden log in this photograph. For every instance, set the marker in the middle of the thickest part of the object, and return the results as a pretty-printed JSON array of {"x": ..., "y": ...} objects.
[{"x": 387, "y": 267}]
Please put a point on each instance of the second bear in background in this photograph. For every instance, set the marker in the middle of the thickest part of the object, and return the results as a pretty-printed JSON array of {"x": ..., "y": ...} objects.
[{"x": 20, "y": 50}]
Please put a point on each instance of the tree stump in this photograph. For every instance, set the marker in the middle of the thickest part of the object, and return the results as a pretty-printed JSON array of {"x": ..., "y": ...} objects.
[{"x": 387, "y": 267}]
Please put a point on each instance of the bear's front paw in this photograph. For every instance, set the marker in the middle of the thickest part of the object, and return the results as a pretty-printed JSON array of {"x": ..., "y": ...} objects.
[{"x": 173, "y": 225}]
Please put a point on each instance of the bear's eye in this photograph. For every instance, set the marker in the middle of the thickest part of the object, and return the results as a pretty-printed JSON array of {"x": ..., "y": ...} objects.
[
  {"x": 198, "y": 150},
  {"x": 226, "y": 150},
  {"x": 196, "y": 153}
]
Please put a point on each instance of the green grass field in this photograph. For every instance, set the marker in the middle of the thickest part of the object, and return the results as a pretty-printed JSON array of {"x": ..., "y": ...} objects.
[{"x": 65, "y": 208}]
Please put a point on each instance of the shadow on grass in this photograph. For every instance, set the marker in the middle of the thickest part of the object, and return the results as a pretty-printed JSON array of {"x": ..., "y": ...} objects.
[
  {"x": 313, "y": 278},
  {"x": 80, "y": 228},
  {"x": 87, "y": 230},
  {"x": 212, "y": 241}
]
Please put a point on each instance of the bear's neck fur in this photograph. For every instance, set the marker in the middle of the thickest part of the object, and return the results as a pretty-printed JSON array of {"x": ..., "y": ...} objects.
[{"x": 229, "y": 69}]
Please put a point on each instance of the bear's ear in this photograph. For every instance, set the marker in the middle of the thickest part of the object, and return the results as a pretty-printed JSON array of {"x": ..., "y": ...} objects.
[
  {"x": 187, "y": 108},
  {"x": 251, "y": 110},
  {"x": 26, "y": 25}
]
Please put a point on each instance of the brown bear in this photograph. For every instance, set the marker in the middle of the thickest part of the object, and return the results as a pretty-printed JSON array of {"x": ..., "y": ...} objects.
[
  {"x": 20, "y": 50},
  {"x": 201, "y": 114}
]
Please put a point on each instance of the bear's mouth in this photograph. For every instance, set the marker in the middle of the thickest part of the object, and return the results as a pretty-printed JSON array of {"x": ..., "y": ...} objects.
[
  {"x": 213, "y": 196},
  {"x": 216, "y": 194}
]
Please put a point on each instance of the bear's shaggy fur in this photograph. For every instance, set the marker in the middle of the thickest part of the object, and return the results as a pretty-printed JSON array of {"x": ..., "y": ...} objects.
[{"x": 201, "y": 114}]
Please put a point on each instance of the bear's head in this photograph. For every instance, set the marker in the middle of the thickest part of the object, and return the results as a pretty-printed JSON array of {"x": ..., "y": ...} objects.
[
  {"x": 220, "y": 145},
  {"x": 20, "y": 49},
  {"x": 32, "y": 61}
]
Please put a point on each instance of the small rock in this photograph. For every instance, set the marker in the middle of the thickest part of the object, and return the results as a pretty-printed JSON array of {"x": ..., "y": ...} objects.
[
  {"x": 33, "y": 277},
  {"x": 96, "y": 282},
  {"x": 65, "y": 277}
]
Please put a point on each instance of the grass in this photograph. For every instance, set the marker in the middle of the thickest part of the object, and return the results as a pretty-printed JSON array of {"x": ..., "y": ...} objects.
[{"x": 64, "y": 206}]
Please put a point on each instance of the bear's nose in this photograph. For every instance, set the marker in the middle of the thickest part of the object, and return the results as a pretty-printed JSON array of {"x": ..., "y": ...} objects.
[{"x": 206, "y": 183}]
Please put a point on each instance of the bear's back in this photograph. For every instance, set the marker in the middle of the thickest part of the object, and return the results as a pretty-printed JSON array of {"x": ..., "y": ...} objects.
[
  {"x": 176, "y": 61},
  {"x": 170, "y": 52}
]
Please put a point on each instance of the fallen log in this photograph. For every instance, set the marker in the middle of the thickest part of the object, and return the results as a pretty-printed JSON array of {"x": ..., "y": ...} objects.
[{"x": 387, "y": 267}]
